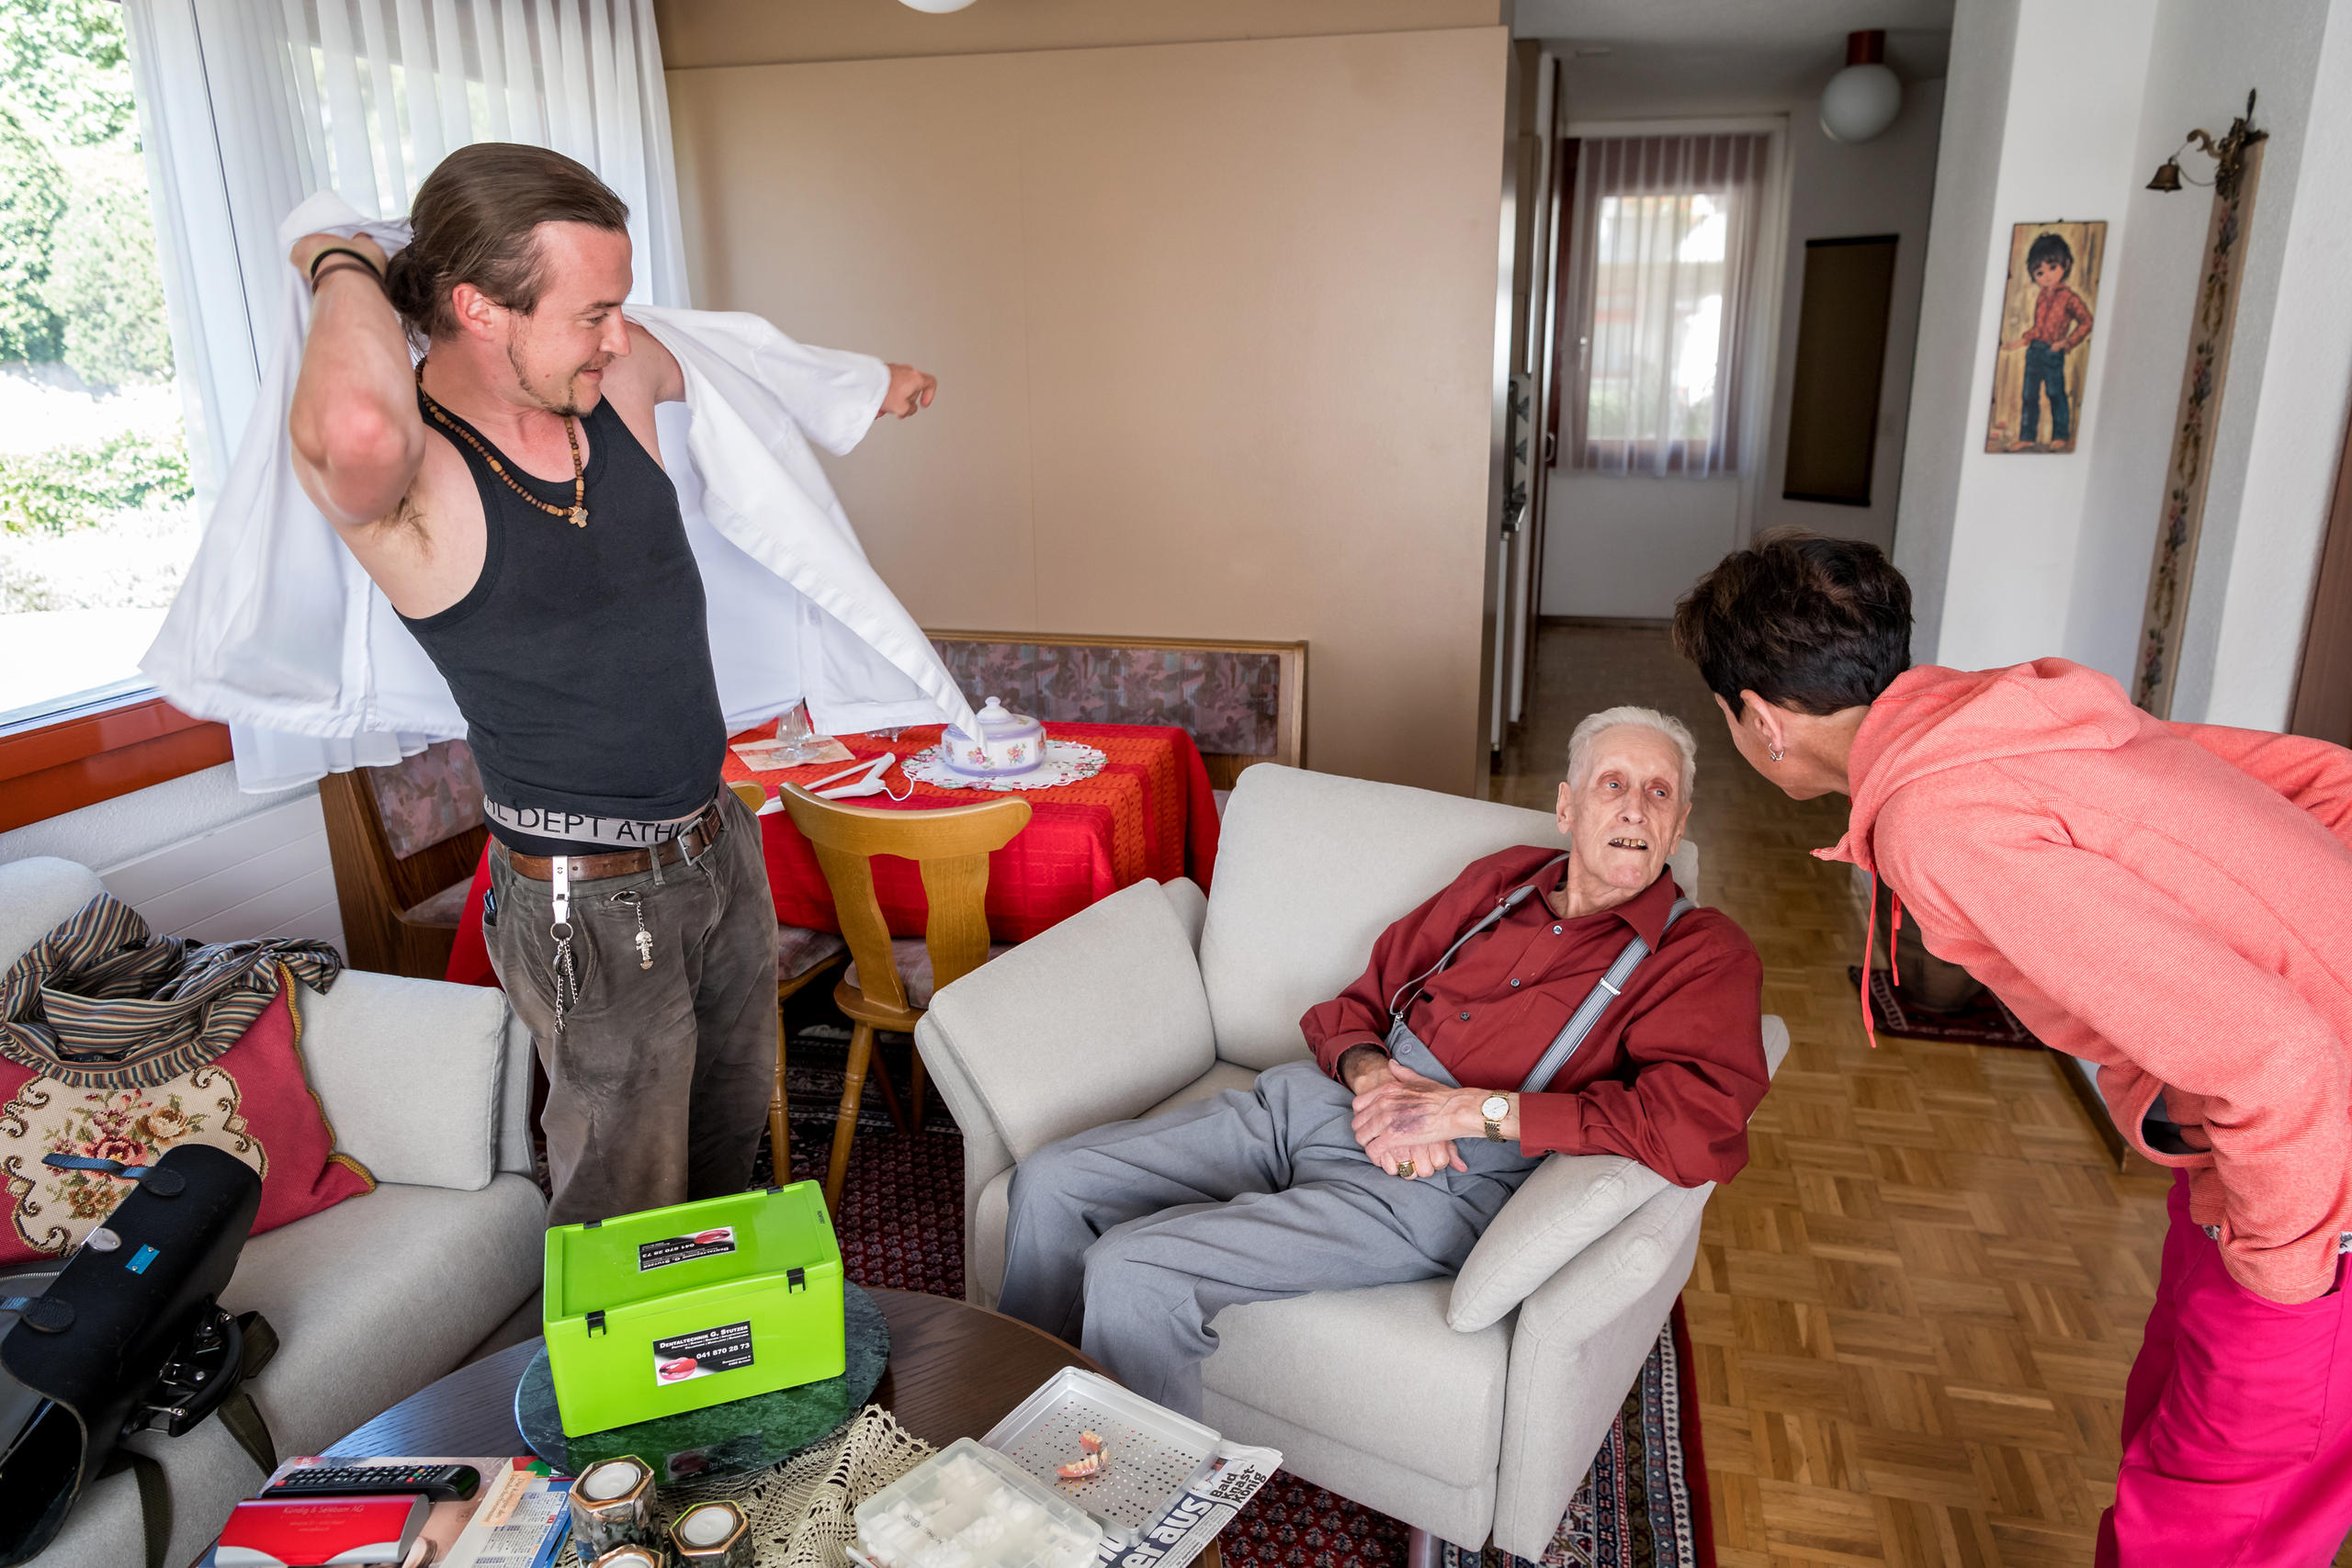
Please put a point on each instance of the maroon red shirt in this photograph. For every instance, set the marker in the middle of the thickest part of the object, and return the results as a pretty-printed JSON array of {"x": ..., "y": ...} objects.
[{"x": 1670, "y": 1075}]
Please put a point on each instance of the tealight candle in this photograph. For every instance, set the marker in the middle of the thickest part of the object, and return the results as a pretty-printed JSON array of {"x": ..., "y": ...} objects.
[
  {"x": 611, "y": 1506},
  {"x": 712, "y": 1535}
]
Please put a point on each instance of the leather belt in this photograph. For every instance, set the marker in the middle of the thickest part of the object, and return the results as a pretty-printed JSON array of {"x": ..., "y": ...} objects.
[{"x": 698, "y": 837}]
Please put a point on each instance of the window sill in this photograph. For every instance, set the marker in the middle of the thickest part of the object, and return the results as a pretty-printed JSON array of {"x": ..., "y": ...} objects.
[{"x": 63, "y": 762}]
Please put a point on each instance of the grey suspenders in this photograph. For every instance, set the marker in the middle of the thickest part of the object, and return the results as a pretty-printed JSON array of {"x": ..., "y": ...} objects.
[{"x": 1408, "y": 1047}]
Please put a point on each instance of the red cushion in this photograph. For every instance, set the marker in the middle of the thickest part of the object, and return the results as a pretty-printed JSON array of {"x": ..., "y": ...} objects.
[{"x": 251, "y": 1101}]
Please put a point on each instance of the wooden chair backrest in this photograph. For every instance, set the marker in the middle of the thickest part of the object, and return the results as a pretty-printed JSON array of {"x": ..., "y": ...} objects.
[
  {"x": 375, "y": 883},
  {"x": 951, "y": 846},
  {"x": 1242, "y": 702}
]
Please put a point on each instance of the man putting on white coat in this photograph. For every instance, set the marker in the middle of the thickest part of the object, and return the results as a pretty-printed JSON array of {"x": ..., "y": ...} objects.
[{"x": 507, "y": 494}]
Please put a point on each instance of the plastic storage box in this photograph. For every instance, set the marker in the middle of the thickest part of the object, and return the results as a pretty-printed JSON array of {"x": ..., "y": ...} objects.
[
  {"x": 693, "y": 1305},
  {"x": 966, "y": 1508},
  {"x": 1152, "y": 1454}
]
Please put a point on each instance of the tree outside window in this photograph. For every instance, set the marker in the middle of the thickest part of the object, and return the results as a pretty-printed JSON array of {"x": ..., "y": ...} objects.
[{"x": 96, "y": 511}]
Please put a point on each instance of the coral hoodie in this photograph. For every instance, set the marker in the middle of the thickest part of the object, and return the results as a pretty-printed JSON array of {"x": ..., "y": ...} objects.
[{"x": 2171, "y": 901}]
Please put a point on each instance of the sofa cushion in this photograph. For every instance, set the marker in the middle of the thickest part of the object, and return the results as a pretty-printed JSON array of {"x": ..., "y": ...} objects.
[
  {"x": 1436, "y": 1405},
  {"x": 36, "y": 895},
  {"x": 1098, "y": 1019},
  {"x": 251, "y": 1101},
  {"x": 409, "y": 1072},
  {"x": 1311, "y": 868},
  {"x": 1570, "y": 1202},
  {"x": 376, "y": 1298}
]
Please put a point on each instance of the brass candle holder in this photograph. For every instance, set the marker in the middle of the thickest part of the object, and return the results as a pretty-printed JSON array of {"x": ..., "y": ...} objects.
[
  {"x": 711, "y": 1535},
  {"x": 611, "y": 1506}
]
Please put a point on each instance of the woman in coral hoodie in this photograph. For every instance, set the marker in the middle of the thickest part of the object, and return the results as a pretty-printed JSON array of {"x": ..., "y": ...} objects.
[{"x": 2170, "y": 901}]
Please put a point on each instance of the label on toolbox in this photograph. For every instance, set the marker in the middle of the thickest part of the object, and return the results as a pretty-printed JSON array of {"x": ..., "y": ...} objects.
[
  {"x": 685, "y": 1248},
  {"x": 698, "y": 1354}
]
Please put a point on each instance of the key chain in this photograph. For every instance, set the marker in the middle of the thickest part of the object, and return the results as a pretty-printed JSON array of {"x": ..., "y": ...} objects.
[
  {"x": 567, "y": 983},
  {"x": 644, "y": 939}
]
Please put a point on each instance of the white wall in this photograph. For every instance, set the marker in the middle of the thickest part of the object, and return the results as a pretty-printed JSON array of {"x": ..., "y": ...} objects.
[
  {"x": 1884, "y": 185},
  {"x": 2291, "y": 364},
  {"x": 2070, "y": 143},
  {"x": 1627, "y": 549},
  {"x": 1951, "y": 304},
  {"x": 2063, "y": 109},
  {"x": 200, "y": 860}
]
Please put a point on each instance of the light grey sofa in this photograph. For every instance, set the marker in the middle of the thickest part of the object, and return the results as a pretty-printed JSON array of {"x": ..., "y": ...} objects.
[
  {"x": 428, "y": 1086},
  {"x": 1464, "y": 1407}
]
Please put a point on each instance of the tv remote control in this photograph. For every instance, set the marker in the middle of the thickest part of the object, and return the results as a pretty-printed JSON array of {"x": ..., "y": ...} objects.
[{"x": 437, "y": 1482}]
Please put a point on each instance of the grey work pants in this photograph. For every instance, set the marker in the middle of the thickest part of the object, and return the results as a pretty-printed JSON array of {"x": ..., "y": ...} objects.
[
  {"x": 658, "y": 1081},
  {"x": 1126, "y": 1240}
]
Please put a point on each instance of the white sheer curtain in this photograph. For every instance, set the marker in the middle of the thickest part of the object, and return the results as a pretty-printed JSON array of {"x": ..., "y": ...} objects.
[
  {"x": 1663, "y": 253},
  {"x": 248, "y": 106}
]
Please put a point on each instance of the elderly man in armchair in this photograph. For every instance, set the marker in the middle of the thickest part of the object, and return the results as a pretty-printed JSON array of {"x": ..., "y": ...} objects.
[{"x": 1572, "y": 1002}]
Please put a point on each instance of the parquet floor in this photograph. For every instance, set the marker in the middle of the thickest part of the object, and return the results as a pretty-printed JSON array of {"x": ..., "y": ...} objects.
[{"x": 1913, "y": 1312}]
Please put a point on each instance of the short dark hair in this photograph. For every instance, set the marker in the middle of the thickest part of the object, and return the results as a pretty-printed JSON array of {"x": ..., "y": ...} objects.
[
  {"x": 2049, "y": 248},
  {"x": 1812, "y": 623},
  {"x": 474, "y": 222}
]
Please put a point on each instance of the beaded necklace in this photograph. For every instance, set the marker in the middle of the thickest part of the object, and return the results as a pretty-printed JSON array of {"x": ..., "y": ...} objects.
[{"x": 576, "y": 513}]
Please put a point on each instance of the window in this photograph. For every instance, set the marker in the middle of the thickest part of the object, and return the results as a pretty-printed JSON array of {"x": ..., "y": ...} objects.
[
  {"x": 1662, "y": 251},
  {"x": 97, "y": 516}
]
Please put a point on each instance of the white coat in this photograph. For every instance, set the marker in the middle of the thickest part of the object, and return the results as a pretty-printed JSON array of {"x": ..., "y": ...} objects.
[{"x": 279, "y": 633}]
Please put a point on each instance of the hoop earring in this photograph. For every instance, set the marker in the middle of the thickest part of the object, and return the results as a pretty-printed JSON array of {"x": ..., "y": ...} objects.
[{"x": 1776, "y": 753}]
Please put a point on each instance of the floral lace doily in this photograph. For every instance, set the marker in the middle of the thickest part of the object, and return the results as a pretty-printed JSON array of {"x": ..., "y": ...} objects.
[
  {"x": 1066, "y": 762},
  {"x": 803, "y": 1512}
]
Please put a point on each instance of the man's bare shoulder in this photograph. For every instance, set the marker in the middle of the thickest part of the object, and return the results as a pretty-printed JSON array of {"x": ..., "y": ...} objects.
[{"x": 649, "y": 371}]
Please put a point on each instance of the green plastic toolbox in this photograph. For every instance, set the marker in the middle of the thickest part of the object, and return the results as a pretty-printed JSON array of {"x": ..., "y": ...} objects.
[{"x": 693, "y": 1305}]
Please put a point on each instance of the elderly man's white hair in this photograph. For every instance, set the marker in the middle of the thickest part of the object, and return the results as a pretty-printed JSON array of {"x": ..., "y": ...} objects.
[{"x": 1673, "y": 729}]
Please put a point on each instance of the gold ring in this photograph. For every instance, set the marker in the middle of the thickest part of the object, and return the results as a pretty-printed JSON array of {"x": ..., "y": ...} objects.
[{"x": 1405, "y": 1167}]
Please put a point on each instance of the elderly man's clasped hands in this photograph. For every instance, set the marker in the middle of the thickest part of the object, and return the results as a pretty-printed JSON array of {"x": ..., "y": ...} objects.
[{"x": 1406, "y": 1122}]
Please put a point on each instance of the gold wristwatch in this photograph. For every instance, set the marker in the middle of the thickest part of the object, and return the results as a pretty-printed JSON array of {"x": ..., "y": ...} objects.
[{"x": 1493, "y": 1108}]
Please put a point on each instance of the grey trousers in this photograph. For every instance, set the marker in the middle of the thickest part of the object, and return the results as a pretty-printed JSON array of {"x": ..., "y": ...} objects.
[
  {"x": 1127, "y": 1239},
  {"x": 658, "y": 1081}
]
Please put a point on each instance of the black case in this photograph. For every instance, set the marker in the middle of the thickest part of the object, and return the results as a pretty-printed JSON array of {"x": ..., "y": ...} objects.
[{"x": 92, "y": 1348}]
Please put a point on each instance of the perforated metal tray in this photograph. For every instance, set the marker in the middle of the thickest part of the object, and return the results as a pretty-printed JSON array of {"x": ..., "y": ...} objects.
[{"x": 1154, "y": 1452}]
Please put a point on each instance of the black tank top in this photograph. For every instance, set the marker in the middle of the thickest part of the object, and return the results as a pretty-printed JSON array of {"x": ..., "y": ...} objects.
[{"x": 581, "y": 657}]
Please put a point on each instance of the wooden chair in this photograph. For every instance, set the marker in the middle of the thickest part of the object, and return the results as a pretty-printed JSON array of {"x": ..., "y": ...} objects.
[
  {"x": 801, "y": 958},
  {"x": 403, "y": 840},
  {"x": 952, "y": 848}
]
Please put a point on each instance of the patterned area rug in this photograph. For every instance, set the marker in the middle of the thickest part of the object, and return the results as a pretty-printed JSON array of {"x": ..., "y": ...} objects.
[
  {"x": 1643, "y": 1505},
  {"x": 1987, "y": 1022}
]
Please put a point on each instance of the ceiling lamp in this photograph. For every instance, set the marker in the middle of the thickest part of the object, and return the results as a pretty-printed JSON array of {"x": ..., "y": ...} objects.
[
  {"x": 937, "y": 7},
  {"x": 1862, "y": 99}
]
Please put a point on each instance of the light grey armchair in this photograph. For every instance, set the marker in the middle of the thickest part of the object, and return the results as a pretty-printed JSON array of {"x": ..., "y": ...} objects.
[{"x": 1159, "y": 996}]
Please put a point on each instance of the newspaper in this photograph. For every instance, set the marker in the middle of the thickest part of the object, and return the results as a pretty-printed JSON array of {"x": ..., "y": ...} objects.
[
  {"x": 522, "y": 1518},
  {"x": 1198, "y": 1512}
]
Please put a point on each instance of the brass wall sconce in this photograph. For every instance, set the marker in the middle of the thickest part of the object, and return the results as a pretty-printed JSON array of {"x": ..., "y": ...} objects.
[{"x": 2228, "y": 153}]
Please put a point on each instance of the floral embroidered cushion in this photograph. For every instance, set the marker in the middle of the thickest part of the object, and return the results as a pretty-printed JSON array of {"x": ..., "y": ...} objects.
[{"x": 253, "y": 1100}]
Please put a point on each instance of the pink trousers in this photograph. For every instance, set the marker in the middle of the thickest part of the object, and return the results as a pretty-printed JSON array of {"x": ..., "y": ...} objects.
[{"x": 2237, "y": 1421}]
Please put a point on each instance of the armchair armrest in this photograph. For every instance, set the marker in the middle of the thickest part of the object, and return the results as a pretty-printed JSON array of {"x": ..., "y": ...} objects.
[
  {"x": 1571, "y": 1202},
  {"x": 1096, "y": 1020},
  {"x": 415, "y": 1075},
  {"x": 1581, "y": 1340}
]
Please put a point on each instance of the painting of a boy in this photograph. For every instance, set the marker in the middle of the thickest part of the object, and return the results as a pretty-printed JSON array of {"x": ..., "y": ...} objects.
[{"x": 2049, "y": 313}]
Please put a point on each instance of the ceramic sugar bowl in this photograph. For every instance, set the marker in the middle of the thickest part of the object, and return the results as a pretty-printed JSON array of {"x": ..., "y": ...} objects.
[{"x": 1008, "y": 743}]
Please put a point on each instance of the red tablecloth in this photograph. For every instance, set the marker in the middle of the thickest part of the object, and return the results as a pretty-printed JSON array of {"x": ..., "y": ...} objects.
[{"x": 1148, "y": 814}]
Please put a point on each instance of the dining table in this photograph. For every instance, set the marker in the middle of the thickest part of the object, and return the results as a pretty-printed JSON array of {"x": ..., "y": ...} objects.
[{"x": 1144, "y": 812}]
